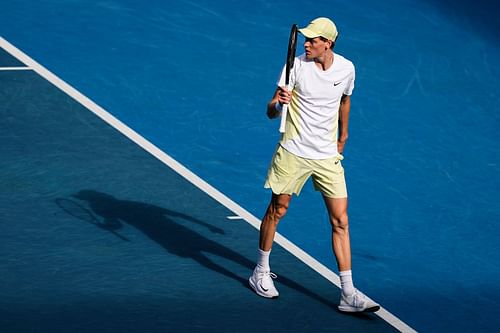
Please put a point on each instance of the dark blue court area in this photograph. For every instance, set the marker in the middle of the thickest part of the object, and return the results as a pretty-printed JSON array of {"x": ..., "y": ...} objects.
[{"x": 98, "y": 235}]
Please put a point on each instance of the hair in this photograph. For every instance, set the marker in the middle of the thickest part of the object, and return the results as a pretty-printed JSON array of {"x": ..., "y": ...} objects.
[{"x": 326, "y": 39}]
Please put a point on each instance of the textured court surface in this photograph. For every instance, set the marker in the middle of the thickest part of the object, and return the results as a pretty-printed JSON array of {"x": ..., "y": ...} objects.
[
  {"x": 422, "y": 162},
  {"x": 99, "y": 236}
]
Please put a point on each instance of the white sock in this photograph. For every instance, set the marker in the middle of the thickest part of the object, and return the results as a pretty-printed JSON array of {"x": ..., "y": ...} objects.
[
  {"x": 263, "y": 261},
  {"x": 346, "y": 283}
]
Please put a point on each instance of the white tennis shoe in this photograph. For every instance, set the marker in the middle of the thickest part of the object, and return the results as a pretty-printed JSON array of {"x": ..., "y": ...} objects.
[
  {"x": 357, "y": 302},
  {"x": 262, "y": 283}
]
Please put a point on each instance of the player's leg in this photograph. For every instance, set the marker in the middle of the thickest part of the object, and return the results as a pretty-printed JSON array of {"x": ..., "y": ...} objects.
[
  {"x": 337, "y": 213},
  {"x": 287, "y": 175},
  {"x": 328, "y": 177},
  {"x": 351, "y": 300},
  {"x": 261, "y": 279},
  {"x": 275, "y": 212}
]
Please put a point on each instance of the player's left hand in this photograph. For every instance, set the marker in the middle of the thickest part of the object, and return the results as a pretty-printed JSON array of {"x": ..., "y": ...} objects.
[{"x": 340, "y": 146}]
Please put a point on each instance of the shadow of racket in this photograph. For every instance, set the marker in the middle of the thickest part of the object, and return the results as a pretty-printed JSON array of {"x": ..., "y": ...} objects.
[{"x": 84, "y": 214}]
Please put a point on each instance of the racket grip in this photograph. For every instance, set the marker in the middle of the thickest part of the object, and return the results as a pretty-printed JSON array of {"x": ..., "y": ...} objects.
[{"x": 284, "y": 112}]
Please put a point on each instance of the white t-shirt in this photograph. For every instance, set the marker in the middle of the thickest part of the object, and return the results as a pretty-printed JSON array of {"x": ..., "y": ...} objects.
[{"x": 312, "y": 119}]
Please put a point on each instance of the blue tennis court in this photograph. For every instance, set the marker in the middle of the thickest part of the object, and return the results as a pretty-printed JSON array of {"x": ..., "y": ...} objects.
[
  {"x": 99, "y": 236},
  {"x": 135, "y": 146}
]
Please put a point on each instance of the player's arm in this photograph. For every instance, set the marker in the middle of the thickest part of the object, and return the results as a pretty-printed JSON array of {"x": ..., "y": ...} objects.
[
  {"x": 345, "y": 108},
  {"x": 281, "y": 96}
]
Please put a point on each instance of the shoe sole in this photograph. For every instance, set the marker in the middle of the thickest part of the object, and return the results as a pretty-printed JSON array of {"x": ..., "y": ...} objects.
[
  {"x": 355, "y": 310},
  {"x": 252, "y": 285}
]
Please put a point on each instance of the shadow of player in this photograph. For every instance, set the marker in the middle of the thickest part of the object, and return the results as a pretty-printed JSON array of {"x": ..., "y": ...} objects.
[{"x": 164, "y": 227}]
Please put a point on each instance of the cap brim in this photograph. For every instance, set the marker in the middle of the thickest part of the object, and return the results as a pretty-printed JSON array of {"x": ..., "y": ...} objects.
[{"x": 308, "y": 33}]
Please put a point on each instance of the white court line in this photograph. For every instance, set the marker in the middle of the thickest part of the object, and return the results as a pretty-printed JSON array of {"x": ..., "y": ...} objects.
[
  {"x": 190, "y": 176},
  {"x": 235, "y": 218},
  {"x": 15, "y": 68}
]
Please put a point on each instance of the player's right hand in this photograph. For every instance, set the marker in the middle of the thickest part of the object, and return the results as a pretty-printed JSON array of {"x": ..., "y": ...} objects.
[{"x": 284, "y": 96}]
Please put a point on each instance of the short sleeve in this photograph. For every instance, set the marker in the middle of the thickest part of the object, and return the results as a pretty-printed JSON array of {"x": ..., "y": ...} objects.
[{"x": 350, "y": 85}]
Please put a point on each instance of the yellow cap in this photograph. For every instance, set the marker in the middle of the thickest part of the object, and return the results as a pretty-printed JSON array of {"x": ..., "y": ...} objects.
[{"x": 321, "y": 26}]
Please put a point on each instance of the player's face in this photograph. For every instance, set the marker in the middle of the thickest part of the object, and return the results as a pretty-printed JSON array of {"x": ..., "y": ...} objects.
[{"x": 316, "y": 47}]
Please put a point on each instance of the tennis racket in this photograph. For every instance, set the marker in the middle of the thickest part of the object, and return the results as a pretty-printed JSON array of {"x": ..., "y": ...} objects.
[
  {"x": 290, "y": 58},
  {"x": 84, "y": 214}
]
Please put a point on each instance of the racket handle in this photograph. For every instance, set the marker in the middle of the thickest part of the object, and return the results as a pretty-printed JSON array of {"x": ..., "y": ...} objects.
[{"x": 284, "y": 112}]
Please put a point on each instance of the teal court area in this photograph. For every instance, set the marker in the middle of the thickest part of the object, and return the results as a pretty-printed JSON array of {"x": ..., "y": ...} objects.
[{"x": 100, "y": 234}]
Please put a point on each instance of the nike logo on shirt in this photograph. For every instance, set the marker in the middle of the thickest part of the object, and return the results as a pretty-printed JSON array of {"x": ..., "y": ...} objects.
[{"x": 337, "y": 83}]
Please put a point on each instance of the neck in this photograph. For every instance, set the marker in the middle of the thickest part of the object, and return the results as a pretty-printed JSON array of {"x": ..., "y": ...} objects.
[{"x": 325, "y": 60}]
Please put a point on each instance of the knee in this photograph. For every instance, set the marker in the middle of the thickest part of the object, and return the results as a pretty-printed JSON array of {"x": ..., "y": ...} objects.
[
  {"x": 340, "y": 223},
  {"x": 281, "y": 210},
  {"x": 277, "y": 211}
]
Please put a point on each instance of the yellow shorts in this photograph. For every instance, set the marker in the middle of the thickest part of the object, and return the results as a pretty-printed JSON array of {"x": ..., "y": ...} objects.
[{"x": 288, "y": 173}]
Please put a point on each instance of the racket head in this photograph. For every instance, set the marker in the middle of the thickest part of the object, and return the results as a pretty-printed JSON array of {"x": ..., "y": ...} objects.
[
  {"x": 76, "y": 210},
  {"x": 292, "y": 47},
  {"x": 82, "y": 213}
]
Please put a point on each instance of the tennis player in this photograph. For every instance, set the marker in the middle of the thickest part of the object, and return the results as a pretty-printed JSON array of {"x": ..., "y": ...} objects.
[{"x": 316, "y": 130}]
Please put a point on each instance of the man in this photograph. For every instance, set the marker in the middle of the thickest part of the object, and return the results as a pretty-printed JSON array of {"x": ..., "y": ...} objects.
[{"x": 321, "y": 84}]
